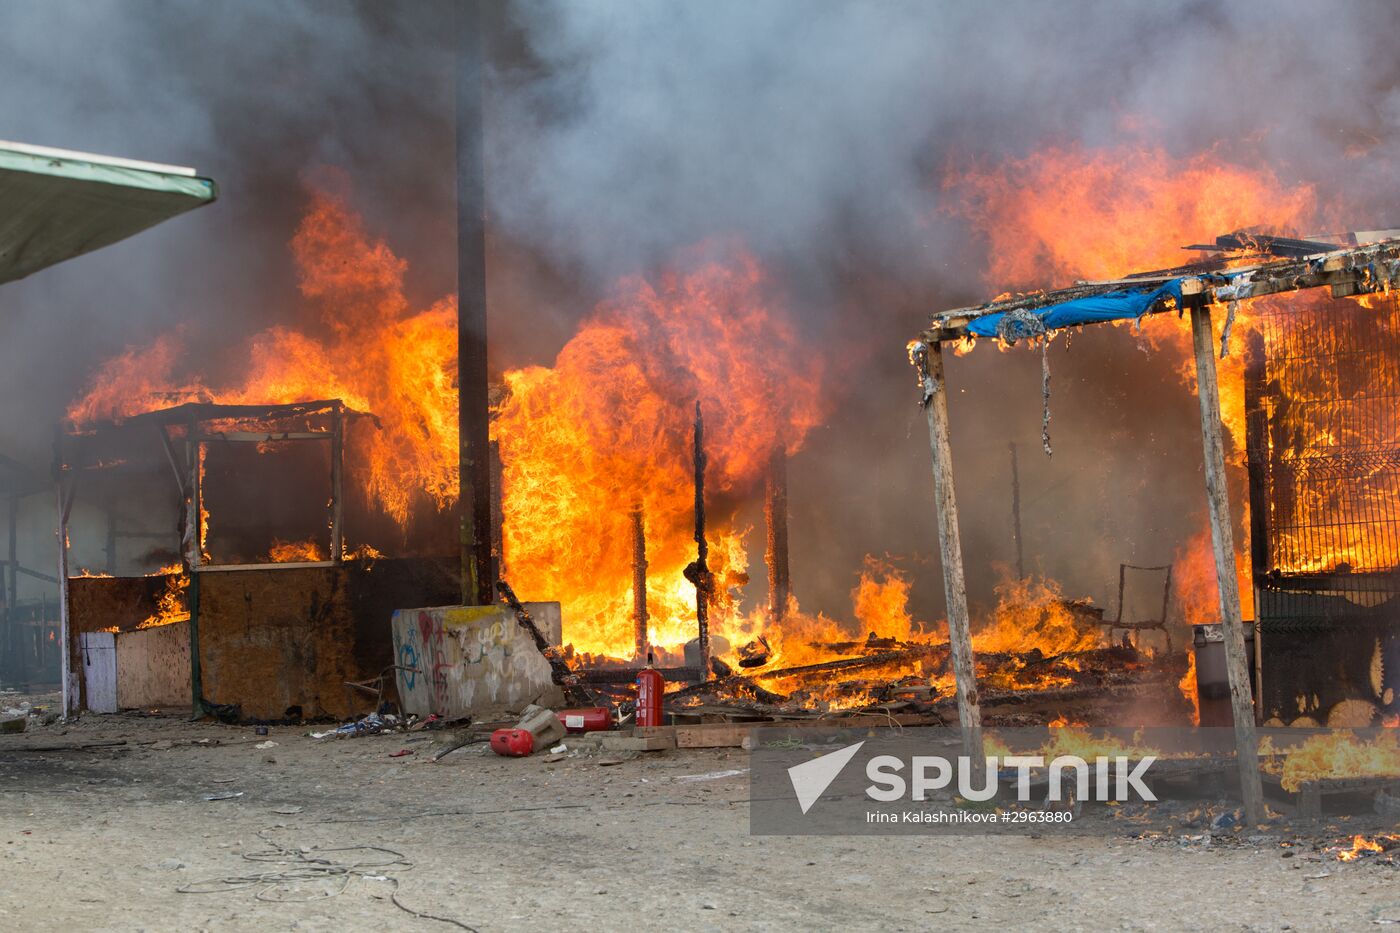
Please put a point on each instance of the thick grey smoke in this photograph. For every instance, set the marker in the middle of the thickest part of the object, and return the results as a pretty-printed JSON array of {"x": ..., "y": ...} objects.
[{"x": 621, "y": 132}]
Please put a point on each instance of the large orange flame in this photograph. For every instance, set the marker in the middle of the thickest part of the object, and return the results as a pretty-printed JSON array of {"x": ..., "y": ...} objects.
[
  {"x": 1072, "y": 213},
  {"x": 374, "y": 352},
  {"x": 609, "y": 426}
]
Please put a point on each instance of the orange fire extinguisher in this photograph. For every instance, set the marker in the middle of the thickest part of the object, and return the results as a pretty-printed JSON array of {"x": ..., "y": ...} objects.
[{"x": 651, "y": 687}]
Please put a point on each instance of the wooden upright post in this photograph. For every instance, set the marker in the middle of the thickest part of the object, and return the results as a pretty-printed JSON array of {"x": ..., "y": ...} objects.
[
  {"x": 337, "y": 482},
  {"x": 1223, "y": 538},
  {"x": 639, "y": 582},
  {"x": 775, "y": 514},
  {"x": 928, "y": 359}
]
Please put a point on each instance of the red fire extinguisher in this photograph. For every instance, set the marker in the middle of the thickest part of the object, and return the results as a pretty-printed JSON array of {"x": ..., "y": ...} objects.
[{"x": 651, "y": 688}]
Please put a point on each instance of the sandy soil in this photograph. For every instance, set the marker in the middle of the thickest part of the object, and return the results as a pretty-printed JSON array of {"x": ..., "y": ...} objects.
[{"x": 105, "y": 838}]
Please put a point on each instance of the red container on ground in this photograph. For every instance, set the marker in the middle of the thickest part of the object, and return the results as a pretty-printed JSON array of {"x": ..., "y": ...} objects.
[
  {"x": 651, "y": 689},
  {"x": 513, "y": 743},
  {"x": 589, "y": 719}
]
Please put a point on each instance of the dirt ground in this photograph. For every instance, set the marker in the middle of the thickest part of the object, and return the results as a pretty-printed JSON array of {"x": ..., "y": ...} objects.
[{"x": 107, "y": 838}]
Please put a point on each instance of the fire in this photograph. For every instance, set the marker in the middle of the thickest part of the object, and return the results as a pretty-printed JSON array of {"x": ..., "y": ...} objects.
[
  {"x": 1194, "y": 588},
  {"x": 1360, "y": 845},
  {"x": 172, "y": 606},
  {"x": 1336, "y": 755},
  {"x": 1072, "y": 213},
  {"x": 374, "y": 351},
  {"x": 1068, "y": 213},
  {"x": 1035, "y": 615},
  {"x": 881, "y": 602},
  {"x": 1187, "y": 686},
  {"x": 283, "y": 552},
  {"x": 609, "y": 426}
]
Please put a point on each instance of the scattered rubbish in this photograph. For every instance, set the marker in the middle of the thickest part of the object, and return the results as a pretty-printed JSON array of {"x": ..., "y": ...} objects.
[
  {"x": 756, "y": 653},
  {"x": 170, "y": 864},
  {"x": 222, "y": 780},
  {"x": 556, "y": 756},
  {"x": 265, "y": 745},
  {"x": 1227, "y": 820},
  {"x": 260, "y": 730},
  {"x": 369, "y": 725},
  {"x": 561, "y": 747},
  {"x": 711, "y": 775},
  {"x": 228, "y": 795},
  {"x": 460, "y": 743},
  {"x": 432, "y": 720},
  {"x": 401, "y": 753},
  {"x": 287, "y": 809}
]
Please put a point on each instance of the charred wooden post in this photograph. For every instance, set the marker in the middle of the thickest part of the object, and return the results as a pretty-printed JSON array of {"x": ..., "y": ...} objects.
[
  {"x": 194, "y": 552},
  {"x": 474, "y": 468},
  {"x": 337, "y": 482},
  {"x": 775, "y": 514},
  {"x": 63, "y": 483},
  {"x": 698, "y": 572},
  {"x": 1223, "y": 539},
  {"x": 639, "y": 581},
  {"x": 498, "y": 511},
  {"x": 1016, "y": 515},
  {"x": 928, "y": 361}
]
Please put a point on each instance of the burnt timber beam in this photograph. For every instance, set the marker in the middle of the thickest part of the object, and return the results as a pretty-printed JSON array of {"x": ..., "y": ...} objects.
[
  {"x": 1223, "y": 541},
  {"x": 928, "y": 361},
  {"x": 1356, "y": 271}
]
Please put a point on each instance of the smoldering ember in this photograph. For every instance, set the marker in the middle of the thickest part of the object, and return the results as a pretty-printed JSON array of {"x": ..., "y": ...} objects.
[{"x": 502, "y": 465}]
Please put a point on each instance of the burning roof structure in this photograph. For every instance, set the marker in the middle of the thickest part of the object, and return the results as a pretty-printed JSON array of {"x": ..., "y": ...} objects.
[
  {"x": 274, "y": 616},
  {"x": 1320, "y": 401}
]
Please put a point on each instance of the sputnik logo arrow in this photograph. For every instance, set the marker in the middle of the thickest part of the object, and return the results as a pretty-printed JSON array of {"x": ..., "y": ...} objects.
[{"x": 811, "y": 778}]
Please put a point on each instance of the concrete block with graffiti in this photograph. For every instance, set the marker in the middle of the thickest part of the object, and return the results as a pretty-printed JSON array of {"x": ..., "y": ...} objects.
[{"x": 461, "y": 661}]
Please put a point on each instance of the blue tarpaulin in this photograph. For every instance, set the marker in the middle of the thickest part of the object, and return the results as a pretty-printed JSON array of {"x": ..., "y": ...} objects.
[{"x": 1110, "y": 306}]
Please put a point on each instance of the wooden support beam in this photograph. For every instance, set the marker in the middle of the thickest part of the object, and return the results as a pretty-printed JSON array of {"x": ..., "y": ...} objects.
[
  {"x": 928, "y": 359},
  {"x": 65, "y": 501},
  {"x": 338, "y": 483},
  {"x": 775, "y": 515},
  {"x": 194, "y": 547},
  {"x": 1223, "y": 539},
  {"x": 265, "y": 437},
  {"x": 639, "y": 584}
]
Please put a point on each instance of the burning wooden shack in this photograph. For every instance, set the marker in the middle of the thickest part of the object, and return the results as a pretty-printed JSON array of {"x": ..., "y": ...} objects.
[
  {"x": 234, "y": 586},
  {"x": 1321, "y": 410}
]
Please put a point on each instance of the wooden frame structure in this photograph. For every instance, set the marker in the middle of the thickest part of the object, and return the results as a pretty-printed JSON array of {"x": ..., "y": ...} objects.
[
  {"x": 201, "y": 424},
  {"x": 1356, "y": 270}
]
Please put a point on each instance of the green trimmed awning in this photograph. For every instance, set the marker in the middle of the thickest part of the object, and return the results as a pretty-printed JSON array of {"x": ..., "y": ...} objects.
[{"x": 56, "y": 204}]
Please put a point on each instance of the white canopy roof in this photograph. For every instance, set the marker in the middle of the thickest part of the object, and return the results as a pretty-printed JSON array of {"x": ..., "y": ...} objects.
[{"x": 56, "y": 204}]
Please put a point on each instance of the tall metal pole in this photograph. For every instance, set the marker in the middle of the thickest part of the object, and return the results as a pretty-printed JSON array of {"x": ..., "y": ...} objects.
[
  {"x": 473, "y": 412},
  {"x": 1223, "y": 539},
  {"x": 928, "y": 361},
  {"x": 1016, "y": 514}
]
